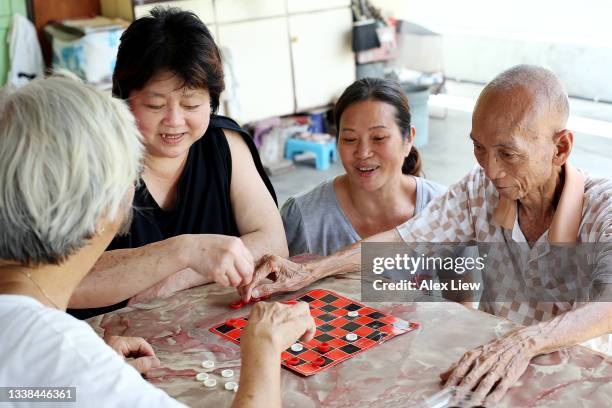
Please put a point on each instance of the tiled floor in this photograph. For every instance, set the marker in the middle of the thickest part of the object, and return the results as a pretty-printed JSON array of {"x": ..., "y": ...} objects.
[{"x": 448, "y": 155}]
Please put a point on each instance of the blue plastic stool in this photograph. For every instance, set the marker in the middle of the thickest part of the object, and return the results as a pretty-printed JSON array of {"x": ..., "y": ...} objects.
[{"x": 323, "y": 151}]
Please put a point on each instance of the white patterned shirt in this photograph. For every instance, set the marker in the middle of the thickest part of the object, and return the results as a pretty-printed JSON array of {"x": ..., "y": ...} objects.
[{"x": 473, "y": 211}]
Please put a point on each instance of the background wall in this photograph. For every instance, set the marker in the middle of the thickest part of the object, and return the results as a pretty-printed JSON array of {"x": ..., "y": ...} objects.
[{"x": 481, "y": 38}]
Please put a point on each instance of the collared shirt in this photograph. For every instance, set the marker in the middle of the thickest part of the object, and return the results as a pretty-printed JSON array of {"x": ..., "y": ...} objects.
[{"x": 473, "y": 211}]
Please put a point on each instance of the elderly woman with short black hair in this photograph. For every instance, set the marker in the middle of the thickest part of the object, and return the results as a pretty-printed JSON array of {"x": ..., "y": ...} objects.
[
  {"x": 207, "y": 210},
  {"x": 69, "y": 157}
]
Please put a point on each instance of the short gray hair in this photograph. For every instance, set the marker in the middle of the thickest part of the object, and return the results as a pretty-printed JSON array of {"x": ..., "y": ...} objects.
[
  {"x": 541, "y": 81},
  {"x": 69, "y": 153}
]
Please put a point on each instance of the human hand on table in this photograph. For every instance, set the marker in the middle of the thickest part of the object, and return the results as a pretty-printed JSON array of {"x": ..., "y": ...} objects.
[
  {"x": 491, "y": 369},
  {"x": 287, "y": 276},
  {"x": 271, "y": 328},
  {"x": 278, "y": 325},
  {"x": 135, "y": 350},
  {"x": 220, "y": 258}
]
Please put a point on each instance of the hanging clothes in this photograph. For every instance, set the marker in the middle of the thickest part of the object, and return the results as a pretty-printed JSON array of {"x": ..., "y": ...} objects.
[{"x": 25, "y": 56}]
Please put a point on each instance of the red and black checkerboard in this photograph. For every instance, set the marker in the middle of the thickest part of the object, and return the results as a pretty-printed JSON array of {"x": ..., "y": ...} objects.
[{"x": 329, "y": 346}]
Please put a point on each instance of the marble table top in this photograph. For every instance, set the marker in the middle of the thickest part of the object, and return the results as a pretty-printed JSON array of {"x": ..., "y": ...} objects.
[{"x": 401, "y": 372}]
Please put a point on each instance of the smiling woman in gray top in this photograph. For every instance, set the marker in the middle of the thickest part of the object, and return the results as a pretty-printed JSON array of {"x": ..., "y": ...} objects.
[{"x": 381, "y": 188}]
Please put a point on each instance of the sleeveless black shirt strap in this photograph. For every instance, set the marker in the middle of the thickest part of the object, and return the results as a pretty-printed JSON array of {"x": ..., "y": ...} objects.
[{"x": 227, "y": 123}]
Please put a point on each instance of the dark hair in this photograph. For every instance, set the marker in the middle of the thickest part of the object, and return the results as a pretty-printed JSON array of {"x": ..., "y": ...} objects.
[
  {"x": 387, "y": 91},
  {"x": 169, "y": 39}
]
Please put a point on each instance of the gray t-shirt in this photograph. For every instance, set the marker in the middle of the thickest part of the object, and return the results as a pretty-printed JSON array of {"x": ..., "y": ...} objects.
[{"x": 315, "y": 223}]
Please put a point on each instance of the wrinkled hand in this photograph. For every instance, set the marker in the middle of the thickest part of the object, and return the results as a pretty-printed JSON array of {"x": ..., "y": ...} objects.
[
  {"x": 287, "y": 276},
  {"x": 500, "y": 362},
  {"x": 135, "y": 350},
  {"x": 220, "y": 258},
  {"x": 279, "y": 324}
]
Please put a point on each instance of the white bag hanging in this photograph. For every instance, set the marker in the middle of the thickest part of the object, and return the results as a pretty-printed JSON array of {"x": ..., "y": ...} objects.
[{"x": 25, "y": 56}]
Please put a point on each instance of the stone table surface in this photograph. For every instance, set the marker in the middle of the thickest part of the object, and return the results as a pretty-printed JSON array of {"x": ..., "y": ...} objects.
[{"x": 401, "y": 372}]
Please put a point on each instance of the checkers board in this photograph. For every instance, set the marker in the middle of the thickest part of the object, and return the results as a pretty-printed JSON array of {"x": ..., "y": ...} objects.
[{"x": 330, "y": 345}]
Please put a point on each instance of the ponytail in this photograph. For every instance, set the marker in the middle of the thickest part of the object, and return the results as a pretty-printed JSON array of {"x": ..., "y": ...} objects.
[{"x": 412, "y": 163}]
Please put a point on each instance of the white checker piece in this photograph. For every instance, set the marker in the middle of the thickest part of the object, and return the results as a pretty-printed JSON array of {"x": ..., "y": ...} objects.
[
  {"x": 201, "y": 376},
  {"x": 231, "y": 386},
  {"x": 210, "y": 383}
]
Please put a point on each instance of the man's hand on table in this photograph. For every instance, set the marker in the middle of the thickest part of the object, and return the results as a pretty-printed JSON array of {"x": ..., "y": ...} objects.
[
  {"x": 135, "y": 350},
  {"x": 501, "y": 362},
  {"x": 287, "y": 276}
]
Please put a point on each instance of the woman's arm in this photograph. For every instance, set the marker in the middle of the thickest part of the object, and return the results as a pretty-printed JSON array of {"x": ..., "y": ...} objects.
[
  {"x": 259, "y": 222},
  {"x": 293, "y": 222},
  {"x": 121, "y": 274}
]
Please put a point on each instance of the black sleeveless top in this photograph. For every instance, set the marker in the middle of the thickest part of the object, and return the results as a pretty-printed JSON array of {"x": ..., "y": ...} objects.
[{"x": 202, "y": 206}]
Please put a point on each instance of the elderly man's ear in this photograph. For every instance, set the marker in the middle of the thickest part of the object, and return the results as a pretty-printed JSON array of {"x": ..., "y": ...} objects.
[{"x": 563, "y": 140}]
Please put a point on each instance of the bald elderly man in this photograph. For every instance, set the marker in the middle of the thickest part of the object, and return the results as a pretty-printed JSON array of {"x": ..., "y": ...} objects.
[{"x": 523, "y": 191}]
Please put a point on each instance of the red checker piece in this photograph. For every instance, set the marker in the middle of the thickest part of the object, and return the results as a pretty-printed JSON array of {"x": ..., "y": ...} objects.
[
  {"x": 236, "y": 304},
  {"x": 323, "y": 347},
  {"x": 233, "y": 322},
  {"x": 318, "y": 361},
  {"x": 290, "y": 302},
  {"x": 293, "y": 361}
]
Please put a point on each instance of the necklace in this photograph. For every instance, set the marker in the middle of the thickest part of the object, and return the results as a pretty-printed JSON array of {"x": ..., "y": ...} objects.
[{"x": 29, "y": 276}]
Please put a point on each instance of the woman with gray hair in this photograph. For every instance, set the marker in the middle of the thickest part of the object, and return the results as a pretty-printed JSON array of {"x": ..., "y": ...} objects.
[{"x": 69, "y": 158}]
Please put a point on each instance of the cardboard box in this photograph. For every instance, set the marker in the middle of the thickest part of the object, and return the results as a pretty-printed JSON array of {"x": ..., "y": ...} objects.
[{"x": 87, "y": 48}]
